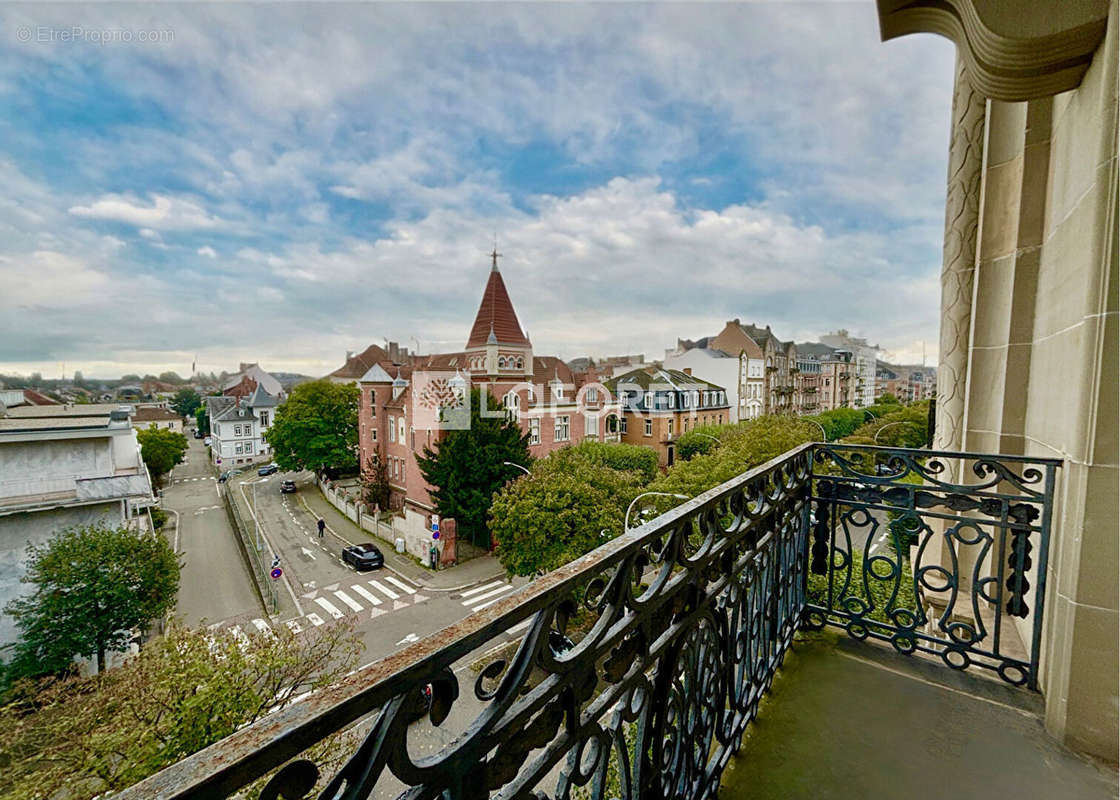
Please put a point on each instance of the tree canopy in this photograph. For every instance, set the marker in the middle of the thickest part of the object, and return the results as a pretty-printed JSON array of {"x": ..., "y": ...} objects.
[
  {"x": 161, "y": 449},
  {"x": 186, "y": 401},
  {"x": 467, "y": 466},
  {"x": 572, "y": 502},
  {"x": 81, "y": 738},
  {"x": 617, "y": 456},
  {"x": 92, "y": 584},
  {"x": 316, "y": 427}
]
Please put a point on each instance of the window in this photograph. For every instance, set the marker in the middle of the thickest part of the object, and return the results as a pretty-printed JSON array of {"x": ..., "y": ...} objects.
[
  {"x": 591, "y": 425},
  {"x": 412, "y": 437},
  {"x": 669, "y": 426},
  {"x": 373, "y": 435},
  {"x": 649, "y": 400},
  {"x": 236, "y": 430},
  {"x": 672, "y": 399},
  {"x": 512, "y": 403},
  {"x": 558, "y": 391},
  {"x": 562, "y": 432},
  {"x": 622, "y": 422},
  {"x": 392, "y": 429},
  {"x": 400, "y": 430},
  {"x": 373, "y": 402},
  {"x": 237, "y": 448},
  {"x": 593, "y": 395},
  {"x": 535, "y": 431},
  {"x": 649, "y": 427},
  {"x": 248, "y": 448}
]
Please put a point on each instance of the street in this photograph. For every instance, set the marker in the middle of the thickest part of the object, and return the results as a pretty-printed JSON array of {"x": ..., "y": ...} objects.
[{"x": 215, "y": 583}]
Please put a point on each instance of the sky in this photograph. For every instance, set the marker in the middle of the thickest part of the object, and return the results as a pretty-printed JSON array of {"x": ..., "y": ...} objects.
[{"x": 284, "y": 183}]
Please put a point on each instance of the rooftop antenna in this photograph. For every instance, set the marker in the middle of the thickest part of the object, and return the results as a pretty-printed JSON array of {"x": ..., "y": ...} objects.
[{"x": 923, "y": 352}]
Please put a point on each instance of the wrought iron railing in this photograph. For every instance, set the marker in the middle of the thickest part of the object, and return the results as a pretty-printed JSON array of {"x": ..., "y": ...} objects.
[
  {"x": 643, "y": 662},
  {"x": 933, "y": 552}
]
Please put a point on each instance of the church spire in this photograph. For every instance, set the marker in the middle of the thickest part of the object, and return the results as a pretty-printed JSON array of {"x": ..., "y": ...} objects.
[{"x": 496, "y": 320}]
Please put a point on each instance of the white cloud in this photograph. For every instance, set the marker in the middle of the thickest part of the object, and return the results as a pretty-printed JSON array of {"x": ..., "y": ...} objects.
[
  {"x": 164, "y": 212},
  {"x": 207, "y": 251}
]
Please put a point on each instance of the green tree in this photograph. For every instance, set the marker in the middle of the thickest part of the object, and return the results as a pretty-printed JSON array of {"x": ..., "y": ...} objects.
[
  {"x": 569, "y": 505},
  {"x": 202, "y": 419},
  {"x": 467, "y": 466},
  {"x": 888, "y": 399},
  {"x": 82, "y": 737},
  {"x": 186, "y": 401},
  {"x": 316, "y": 427},
  {"x": 617, "y": 456},
  {"x": 375, "y": 481},
  {"x": 161, "y": 449},
  {"x": 92, "y": 584},
  {"x": 170, "y": 377}
]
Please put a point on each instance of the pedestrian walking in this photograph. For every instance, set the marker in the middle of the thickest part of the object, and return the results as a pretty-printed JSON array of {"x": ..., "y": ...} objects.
[{"x": 322, "y": 527}]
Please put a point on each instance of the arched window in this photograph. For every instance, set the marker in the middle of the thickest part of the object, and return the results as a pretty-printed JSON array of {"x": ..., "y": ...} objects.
[
  {"x": 520, "y": 363},
  {"x": 512, "y": 403}
]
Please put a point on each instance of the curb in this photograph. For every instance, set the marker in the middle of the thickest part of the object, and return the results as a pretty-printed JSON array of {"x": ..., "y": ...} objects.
[{"x": 339, "y": 536}]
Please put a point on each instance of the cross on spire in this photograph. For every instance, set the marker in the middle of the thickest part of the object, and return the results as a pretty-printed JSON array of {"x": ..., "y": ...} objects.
[{"x": 495, "y": 255}]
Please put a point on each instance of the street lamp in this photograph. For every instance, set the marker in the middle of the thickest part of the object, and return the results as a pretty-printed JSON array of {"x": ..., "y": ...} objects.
[
  {"x": 868, "y": 411},
  {"x": 824, "y": 433},
  {"x": 511, "y": 464},
  {"x": 708, "y": 436},
  {"x": 888, "y": 425},
  {"x": 626, "y": 519}
]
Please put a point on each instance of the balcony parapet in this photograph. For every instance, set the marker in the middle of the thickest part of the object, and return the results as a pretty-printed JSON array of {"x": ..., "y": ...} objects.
[{"x": 685, "y": 621}]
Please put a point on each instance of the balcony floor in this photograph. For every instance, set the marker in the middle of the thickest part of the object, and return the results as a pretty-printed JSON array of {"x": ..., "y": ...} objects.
[{"x": 851, "y": 720}]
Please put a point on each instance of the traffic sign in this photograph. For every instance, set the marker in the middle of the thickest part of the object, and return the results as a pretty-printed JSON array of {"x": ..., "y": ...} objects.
[
  {"x": 276, "y": 573},
  {"x": 435, "y": 533},
  {"x": 275, "y": 560}
]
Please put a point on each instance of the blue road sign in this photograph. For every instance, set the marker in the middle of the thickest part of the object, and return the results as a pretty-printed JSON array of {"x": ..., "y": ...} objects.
[{"x": 276, "y": 573}]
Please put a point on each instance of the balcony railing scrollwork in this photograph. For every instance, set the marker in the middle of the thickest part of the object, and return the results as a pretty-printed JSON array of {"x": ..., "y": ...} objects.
[{"x": 642, "y": 663}]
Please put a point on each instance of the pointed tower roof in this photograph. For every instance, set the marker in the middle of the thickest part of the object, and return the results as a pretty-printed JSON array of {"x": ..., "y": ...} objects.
[{"x": 496, "y": 317}]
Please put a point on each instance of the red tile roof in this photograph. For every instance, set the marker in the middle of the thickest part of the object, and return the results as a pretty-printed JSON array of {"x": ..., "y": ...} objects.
[
  {"x": 496, "y": 314},
  {"x": 357, "y": 365}
]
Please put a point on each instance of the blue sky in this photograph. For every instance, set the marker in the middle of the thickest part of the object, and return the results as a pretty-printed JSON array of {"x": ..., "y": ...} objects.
[{"x": 284, "y": 183}]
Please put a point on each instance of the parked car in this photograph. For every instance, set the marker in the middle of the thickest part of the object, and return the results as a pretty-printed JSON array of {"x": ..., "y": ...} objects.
[
  {"x": 363, "y": 556},
  {"x": 287, "y": 487},
  {"x": 207, "y": 441},
  {"x": 197, "y": 433},
  {"x": 269, "y": 469},
  {"x": 229, "y": 473}
]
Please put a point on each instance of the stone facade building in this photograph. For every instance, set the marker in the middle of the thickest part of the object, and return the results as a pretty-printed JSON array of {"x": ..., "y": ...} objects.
[{"x": 658, "y": 405}]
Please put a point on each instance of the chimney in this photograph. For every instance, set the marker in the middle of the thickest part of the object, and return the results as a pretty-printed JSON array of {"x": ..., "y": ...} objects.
[
  {"x": 394, "y": 352},
  {"x": 349, "y": 354}
]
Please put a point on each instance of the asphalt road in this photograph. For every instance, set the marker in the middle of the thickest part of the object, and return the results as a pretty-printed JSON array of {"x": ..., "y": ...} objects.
[
  {"x": 391, "y": 610},
  {"x": 215, "y": 583}
]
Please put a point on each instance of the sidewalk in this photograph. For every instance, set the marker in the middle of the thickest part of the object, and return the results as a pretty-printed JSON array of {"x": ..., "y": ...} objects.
[{"x": 461, "y": 576}]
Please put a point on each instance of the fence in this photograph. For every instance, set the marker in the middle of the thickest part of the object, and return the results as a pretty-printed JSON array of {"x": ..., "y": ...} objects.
[{"x": 265, "y": 585}]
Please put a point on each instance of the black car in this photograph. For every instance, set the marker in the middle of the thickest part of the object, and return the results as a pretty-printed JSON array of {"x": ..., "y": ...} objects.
[
  {"x": 287, "y": 487},
  {"x": 363, "y": 556},
  {"x": 225, "y": 476},
  {"x": 268, "y": 469}
]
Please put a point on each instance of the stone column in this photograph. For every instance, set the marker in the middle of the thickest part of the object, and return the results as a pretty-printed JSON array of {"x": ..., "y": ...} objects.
[{"x": 962, "y": 218}]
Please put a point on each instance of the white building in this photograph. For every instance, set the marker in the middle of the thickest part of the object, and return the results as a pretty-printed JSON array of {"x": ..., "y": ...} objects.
[
  {"x": 864, "y": 360},
  {"x": 237, "y": 427},
  {"x": 716, "y": 366},
  {"x": 63, "y": 471}
]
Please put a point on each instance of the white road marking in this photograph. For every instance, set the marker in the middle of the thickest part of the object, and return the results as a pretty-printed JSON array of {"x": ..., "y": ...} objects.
[
  {"x": 478, "y": 589},
  {"x": 348, "y": 600},
  {"x": 330, "y": 588},
  {"x": 419, "y": 598},
  {"x": 399, "y": 584},
  {"x": 367, "y": 594},
  {"x": 315, "y": 619},
  {"x": 307, "y": 553},
  {"x": 412, "y": 637},
  {"x": 398, "y": 605},
  {"x": 505, "y": 587},
  {"x": 294, "y": 626},
  {"x": 381, "y": 588},
  {"x": 329, "y": 607},
  {"x": 487, "y": 603},
  {"x": 377, "y": 612}
]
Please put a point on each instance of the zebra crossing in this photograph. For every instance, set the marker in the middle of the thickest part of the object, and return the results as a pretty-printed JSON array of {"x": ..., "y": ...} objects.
[
  {"x": 373, "y": 596},
  {"x": 480, "y": 597}
]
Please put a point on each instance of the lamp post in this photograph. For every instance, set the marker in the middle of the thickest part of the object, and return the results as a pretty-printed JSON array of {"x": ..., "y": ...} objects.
[
  {"x": 888, "y": 425},
  {"x": 824, "y": 433},
  {"x": 868, "y": 411},
  {"x": 626, "y": 519},
  {"x": 511, "y": 464}
]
